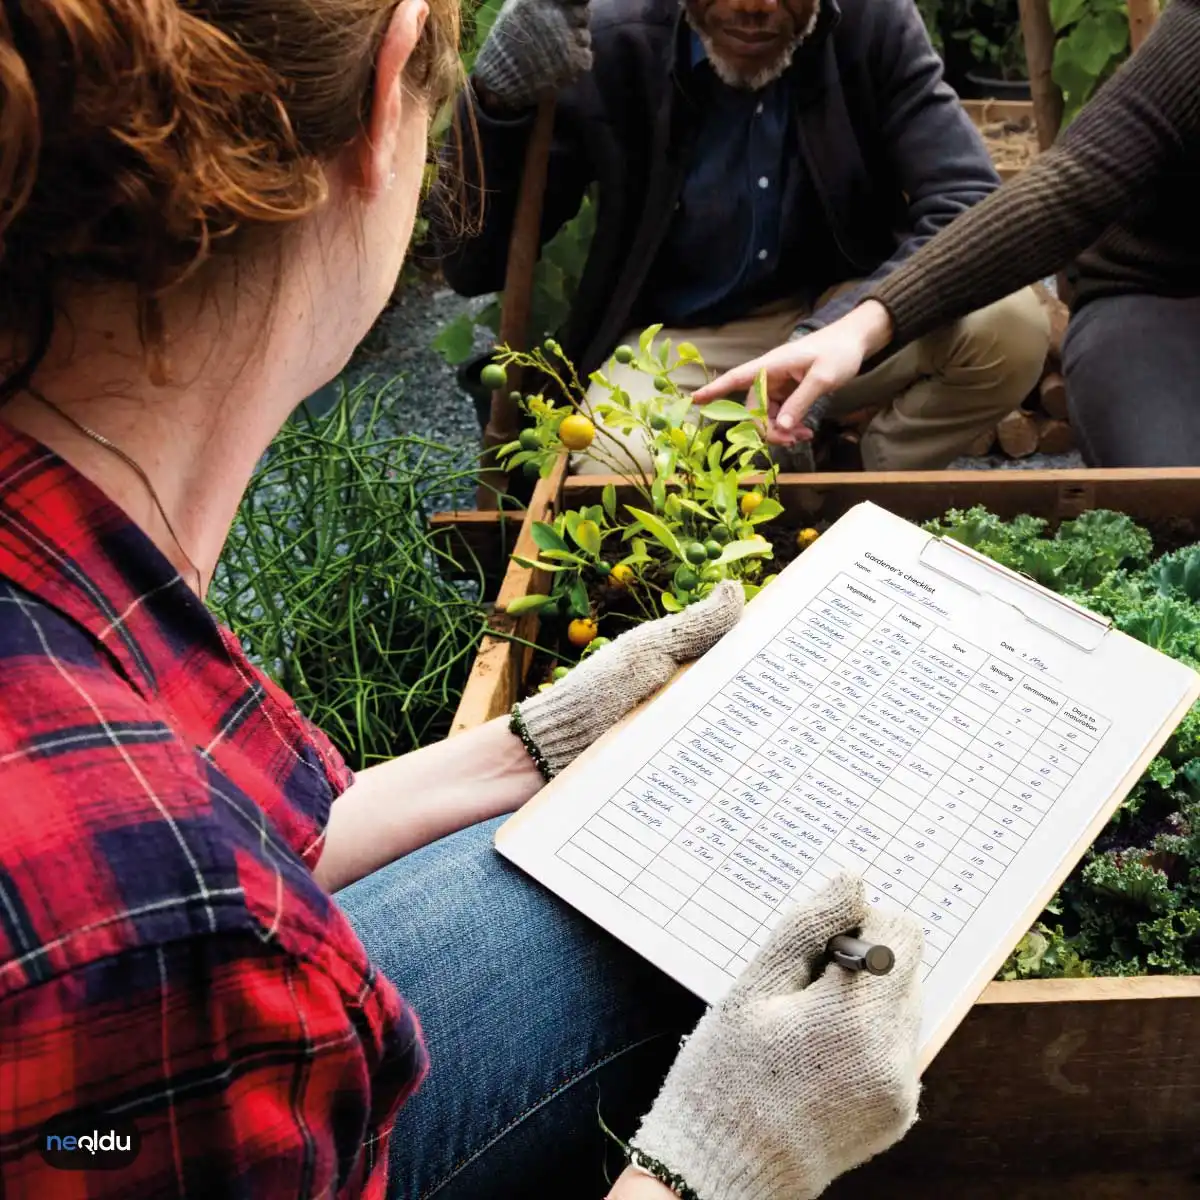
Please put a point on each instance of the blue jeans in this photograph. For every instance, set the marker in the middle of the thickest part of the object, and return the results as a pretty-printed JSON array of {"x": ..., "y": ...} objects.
[{"x": 538, "y": 1024}]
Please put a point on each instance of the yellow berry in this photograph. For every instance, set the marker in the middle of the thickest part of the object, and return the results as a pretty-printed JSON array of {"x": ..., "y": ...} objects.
[
  {"x": 750, "y": 501},
  {"x": 576, "y": 432},
  {"x": 806, "y": 537},
  {"x": 621, "y": 576},
  {"x": 581, "y": 631}
]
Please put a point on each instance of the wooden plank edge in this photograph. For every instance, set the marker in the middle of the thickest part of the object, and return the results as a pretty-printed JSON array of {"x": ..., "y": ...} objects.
[{"x": 1092, "y": 991}]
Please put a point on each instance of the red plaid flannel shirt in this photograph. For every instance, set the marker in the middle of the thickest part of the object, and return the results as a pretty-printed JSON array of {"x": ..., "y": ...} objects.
[{"x": 165, "y": 953}]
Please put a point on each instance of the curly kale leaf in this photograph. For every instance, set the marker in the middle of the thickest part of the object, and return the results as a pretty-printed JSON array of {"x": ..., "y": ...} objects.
[
  {"x": 1046, "y": 953},
  {"x": 1171, "y": 626},
  {"x": 1178, "y": 575},
  {"x": 1109, "y": 539},
  {"x": 1117, "y": 595},
  {"x": 1124, "y": 876},
  {"x": 1079, "y": 556},
  {"x": 1176, "y": 937},
  {"x": 1184, "y": 743}
]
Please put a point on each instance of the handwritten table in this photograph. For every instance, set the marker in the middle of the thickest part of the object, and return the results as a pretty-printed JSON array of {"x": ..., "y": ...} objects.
[{"x": 862, "y": 736}]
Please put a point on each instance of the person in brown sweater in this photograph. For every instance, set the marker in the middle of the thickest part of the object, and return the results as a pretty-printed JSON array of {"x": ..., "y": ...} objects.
[{"x": 1121, "y": 190}]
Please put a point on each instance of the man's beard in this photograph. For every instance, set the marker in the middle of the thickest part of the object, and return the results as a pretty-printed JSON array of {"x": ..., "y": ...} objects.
[{"x": 752, "y": 81}]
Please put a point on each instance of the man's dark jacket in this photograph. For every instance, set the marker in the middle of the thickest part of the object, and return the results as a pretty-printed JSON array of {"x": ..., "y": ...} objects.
[{"x": 889, "y": 158}]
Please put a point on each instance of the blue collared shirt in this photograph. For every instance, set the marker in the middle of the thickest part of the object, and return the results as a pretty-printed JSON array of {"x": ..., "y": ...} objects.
[{"x": 726, "y": 239}]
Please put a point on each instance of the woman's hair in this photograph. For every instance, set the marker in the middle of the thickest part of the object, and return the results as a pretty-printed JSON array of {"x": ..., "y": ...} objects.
[{"x": 139, "y": 137}]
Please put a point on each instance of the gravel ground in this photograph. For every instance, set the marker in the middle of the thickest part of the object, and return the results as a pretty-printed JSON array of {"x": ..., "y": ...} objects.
[{"x": 429, "y": 402}]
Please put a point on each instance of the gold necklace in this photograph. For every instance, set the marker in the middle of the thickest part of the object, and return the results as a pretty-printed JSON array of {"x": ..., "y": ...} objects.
[{"x": 134, "y": 466}]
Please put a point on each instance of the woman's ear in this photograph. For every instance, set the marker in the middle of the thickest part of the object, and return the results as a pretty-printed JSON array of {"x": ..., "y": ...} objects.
[{"x": 377, "y": 151}]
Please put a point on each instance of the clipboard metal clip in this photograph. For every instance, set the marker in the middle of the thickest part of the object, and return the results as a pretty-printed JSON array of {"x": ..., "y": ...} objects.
[{"x": 1055, "y": 614}]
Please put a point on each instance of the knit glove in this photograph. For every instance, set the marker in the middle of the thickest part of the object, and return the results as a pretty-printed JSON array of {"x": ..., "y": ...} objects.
[
  {"x": 791, "y": 1080},
  {"x": 534, "y": 46},
  {"x": 558, "y": 724}
]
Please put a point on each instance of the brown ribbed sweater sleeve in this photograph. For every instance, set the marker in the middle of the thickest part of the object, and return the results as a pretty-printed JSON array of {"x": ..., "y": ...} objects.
[{"x": 1141, "y": 120}]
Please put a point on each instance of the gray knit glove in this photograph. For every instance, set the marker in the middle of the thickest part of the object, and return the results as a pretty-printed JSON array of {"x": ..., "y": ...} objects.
[
  {"x": 534, "y": 46},
  {"x": 558, "y": 724},
  {"x": 791, "y": 1081}
]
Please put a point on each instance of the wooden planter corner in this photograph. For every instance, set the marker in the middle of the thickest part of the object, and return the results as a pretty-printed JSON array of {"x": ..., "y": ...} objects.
[
  {"x": 1057, "y": 1088},
  {"x": 501, "y": 664}
]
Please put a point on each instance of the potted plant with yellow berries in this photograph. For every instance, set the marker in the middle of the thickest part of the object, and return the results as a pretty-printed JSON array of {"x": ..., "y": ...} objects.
[{"x": 696, "y": 518}]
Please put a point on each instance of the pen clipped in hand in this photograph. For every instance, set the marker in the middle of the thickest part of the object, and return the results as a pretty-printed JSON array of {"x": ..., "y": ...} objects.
[{"x": 854, "y": 954}]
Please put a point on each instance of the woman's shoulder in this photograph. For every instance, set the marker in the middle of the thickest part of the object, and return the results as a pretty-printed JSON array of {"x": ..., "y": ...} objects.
[{"x": 121, "y": 831}]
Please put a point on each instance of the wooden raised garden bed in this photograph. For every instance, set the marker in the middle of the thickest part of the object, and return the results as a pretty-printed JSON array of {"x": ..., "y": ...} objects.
[{"x": 1068, "y": 1088}]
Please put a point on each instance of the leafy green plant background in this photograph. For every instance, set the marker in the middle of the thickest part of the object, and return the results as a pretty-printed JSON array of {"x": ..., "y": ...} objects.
[
  {"x": 555, "y": 281},
  {"x": 1093, "y": 40},
  {"x": 1132, "y": 907}
]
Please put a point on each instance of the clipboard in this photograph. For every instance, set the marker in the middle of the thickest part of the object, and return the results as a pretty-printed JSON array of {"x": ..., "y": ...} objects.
[
  {"x": 1076, "y": 625},
  {"x": 959, "y": 583}
]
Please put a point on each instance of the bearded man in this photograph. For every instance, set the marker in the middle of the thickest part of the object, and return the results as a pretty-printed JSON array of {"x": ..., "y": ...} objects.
[{"x": 758, "y": 165}]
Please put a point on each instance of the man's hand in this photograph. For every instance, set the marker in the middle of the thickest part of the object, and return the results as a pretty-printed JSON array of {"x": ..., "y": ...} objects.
[
  {"x": 534, "y": 47},
  {"x": 795, "y": 1077},
  {"x": 800, "y": 372}
]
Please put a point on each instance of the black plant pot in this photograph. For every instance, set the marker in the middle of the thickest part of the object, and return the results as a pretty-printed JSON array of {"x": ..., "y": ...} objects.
[{"x": 982, "y": 87}]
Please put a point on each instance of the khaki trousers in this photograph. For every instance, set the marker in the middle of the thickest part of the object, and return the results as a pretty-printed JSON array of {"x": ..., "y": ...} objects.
[{"x": 935, "y": 395}]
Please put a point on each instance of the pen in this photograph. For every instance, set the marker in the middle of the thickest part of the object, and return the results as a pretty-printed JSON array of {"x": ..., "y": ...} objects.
[{"x": 856, "y": 955}]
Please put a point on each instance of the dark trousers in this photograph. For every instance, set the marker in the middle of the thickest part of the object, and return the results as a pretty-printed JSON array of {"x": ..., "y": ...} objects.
[{"x": 1132, "y": 365}]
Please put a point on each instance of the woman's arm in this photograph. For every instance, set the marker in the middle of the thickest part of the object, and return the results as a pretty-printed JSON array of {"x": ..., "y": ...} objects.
[
  {"x": 1112, "y": 154},
  {"x": 398, "y": 806},
  {"x": 394, "y": 808}
]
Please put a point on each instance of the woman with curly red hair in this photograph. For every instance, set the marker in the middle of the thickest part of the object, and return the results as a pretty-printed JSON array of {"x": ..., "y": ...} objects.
[{"x": 204, "y": 205}]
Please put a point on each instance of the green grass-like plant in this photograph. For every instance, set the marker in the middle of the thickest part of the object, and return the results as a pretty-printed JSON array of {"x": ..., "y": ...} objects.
[{"x": 334, "y": 584}]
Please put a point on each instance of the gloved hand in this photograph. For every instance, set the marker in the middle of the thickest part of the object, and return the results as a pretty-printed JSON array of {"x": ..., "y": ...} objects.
[
  {"x": 791, "y": 1081},
  {"x": 559, "y": 724},
  {"x": 534, "y": 46}
]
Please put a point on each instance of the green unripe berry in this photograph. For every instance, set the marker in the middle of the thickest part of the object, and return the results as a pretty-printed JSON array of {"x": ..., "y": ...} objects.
[
  {"x": 529, "y": 440},
  {"x": 659, "y": 422},
  {"x": 695, "y": 553},
  {"x": 661, "y": 383},
  {"x": 686, "y": 579},
  {"x": 514, "y": 397},
  {"x": 560, "y": 673},
  {"x": 712, "y": 548},
  {"x": 623, "y": 355},
  {"x": 493, "y": 377},
  {"x": 720, "y": 535},
  {"x": 531, "y": 470}
]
